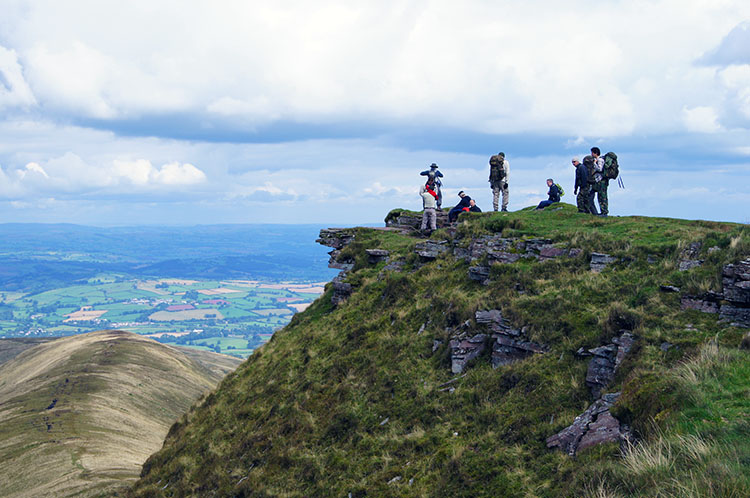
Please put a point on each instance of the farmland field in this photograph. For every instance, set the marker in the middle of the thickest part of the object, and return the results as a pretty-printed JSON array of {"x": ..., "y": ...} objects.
[{"x": 231, "y": 317}]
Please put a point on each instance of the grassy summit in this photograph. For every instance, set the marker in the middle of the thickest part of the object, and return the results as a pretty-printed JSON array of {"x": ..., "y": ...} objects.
[
  {"x": 79, "y": 415},
  {"x": 359, "y": 398}
]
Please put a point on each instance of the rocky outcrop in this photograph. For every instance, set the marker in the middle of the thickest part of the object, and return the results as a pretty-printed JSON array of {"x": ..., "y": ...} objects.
[
  {"x": 431, "y": 249},
  {"x": 375, "y": 256},
  {"x": 341, "y": 290},
  {"x": 689, "y": 256},
  {"x": 508, "y": 344},
  {"x": 499, "y": 249},
  {"x": 599, "y": 261},
  {"x": 709, "y": 302},
  {"x": 480, "y": 274},
  {"x": 413, "y": 221},
  {"x": 736, "y": 283},
  {"x": 605, "y": 361},
  {"x": 594, "y": 426},
  {"x": 337, "y": 238},
  {"x": 465, "y": 349}
]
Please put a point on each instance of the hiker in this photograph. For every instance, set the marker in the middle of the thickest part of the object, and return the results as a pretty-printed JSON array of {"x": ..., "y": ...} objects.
[
  {"x": 429, "y": 201},
  {"x": 581, "y": 186},
  {"x": 600, "y": 184},
  {"x": 590, "y": 164},
  {"x": 435, "y": 174},
  {"x": 473, "y": 207},
  {"x": 553, "y": 193},
  {"x": 499, "y": 173},
  {"x": 456, "y": 210}
]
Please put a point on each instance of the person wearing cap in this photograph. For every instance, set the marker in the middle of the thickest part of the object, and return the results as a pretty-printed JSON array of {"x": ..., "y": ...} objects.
[
  {"x": 465, "y": 202},
  {"x": 499, "y": 173},
  {"x": 435, "y": 174},
  {"x": 582, "y": 186}
]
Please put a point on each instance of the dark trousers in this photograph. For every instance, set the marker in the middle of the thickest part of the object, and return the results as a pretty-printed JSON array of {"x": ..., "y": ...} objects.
[
  {"x": 544, "y": 204},
  {"x": 454, "y": 212}
]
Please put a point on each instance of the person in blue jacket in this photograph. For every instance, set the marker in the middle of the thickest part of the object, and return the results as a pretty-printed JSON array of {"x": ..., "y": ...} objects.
[
  {"x": 553, "y": 193},
  {"x": 434, "y": 173}
]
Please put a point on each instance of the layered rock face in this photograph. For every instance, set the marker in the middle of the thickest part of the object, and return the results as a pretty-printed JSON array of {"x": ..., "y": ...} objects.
[
  {"x": 507, "y": 344},
  {"x": 596, "y": 425},
  {"x": 736, "y": 283}
]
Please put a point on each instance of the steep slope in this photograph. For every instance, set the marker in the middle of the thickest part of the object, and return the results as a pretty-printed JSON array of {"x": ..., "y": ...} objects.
[
  {"x": 457, "y": 365},
  {"x": 79, "y": 415}
]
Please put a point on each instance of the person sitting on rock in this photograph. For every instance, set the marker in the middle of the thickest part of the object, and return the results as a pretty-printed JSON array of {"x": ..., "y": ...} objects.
[
  {"x": 456, "y": 210},
  {"x": 429, "y": 200},
  {"x": 553, "y": 193}
]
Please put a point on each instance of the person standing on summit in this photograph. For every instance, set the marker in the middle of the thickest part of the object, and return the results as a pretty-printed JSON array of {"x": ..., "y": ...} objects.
[
  {"x": 499, "y": 173},
  {"x": 434, "y": 174}
]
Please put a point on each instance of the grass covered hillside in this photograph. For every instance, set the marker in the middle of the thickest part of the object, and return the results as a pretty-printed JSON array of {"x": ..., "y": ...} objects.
[
  {"x": 445, "y": 366},
  {"x": 80, "y": 415}
]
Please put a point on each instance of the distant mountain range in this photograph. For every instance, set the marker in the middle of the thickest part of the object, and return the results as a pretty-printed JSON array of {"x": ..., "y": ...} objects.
[{"x": 79, "y": 415}]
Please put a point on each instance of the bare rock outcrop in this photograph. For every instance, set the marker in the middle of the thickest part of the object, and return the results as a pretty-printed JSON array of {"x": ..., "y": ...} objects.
[
  {"x": 508, "y": 344},
  {"x": 689, "y": 256},
  {"x": 375, "y": 256},
  {"x": 594, "y": 426},
  {"x": 736, "y": 284},
  {"x": 599, "y": 261},
  {"x": 605, "y": 360},
  {"x": 431, "y": 249},
  {"x": 413, "y": 221},
  {"x": 337, "y": 238}
]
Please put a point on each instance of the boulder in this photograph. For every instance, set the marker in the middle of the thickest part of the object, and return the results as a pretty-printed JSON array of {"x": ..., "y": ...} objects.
[
  {"x": 375, "y": 256},
  {"x": 699, "y": 303},
  {"x": 480, "y": 273},
  {"x": 431, "y": 249},
  {"x": 595, "y": 425},
  {"x": 413, "y": 221},
  {"x": 605, "y": 362},
  {"x": 599, "y": 261},
  {"x": 341, "y": 289},
  {"x": 736, "y": 292},
  {"x": 465, "y": 350}
]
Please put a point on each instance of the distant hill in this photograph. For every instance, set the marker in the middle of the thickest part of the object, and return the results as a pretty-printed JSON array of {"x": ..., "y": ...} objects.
[
  {"x": 533, "y": 353},
  {"x": 79, "y": 415}
]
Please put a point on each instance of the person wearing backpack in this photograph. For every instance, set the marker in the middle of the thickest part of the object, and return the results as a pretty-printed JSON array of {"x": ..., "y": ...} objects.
[
  {"x": 434, "y": 174},
  {"x": 499, "y": 173},
  {"x": 554, "y": 193},
  {"x": 601, "y": 183},
  {"x": 582, "y": 185}
]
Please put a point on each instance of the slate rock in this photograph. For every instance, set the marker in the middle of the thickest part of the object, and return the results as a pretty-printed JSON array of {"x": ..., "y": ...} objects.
[
  {"x": 669, "y": 288},
  {"x": 594, "y": 426},
  {"x": 605, "y": 361},
  {"x": 480, "y": 273},
  {"x": 375, "y": 256},
  {"x": 431, "y": 249},
  {"x": 599, "y": 261},
  {"x": 689, "y": 264},
  {"x": 698, "y": 303},
  {"x": 736, "y": 283},
  {"x": 465, "y": 350}
]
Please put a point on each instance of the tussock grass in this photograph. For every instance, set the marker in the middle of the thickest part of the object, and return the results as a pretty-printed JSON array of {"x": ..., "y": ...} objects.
[{"x": 345, "y": 399}]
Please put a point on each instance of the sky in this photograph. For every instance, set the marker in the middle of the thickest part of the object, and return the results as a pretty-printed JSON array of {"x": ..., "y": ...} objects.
[{"x": 166, "y": 112}]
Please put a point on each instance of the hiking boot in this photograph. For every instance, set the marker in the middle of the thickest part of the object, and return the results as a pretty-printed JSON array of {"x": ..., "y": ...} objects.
[{"x": 504, "y": 210}]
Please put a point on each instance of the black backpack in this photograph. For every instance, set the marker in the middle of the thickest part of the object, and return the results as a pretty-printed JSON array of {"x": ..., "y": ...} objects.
[
  {"x": 588, "y": 163},
  {"x": 611, "y": 168}
]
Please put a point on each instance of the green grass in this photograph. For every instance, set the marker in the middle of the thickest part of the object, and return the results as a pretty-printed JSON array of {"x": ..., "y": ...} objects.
[{"x": 304, "y": 416}]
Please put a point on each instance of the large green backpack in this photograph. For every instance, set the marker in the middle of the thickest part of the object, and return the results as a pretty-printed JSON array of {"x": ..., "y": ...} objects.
[
  {"x": 562, "y": 192},
  {"x": 497, "y": 173},
  {"x": 611, "y": 168}
]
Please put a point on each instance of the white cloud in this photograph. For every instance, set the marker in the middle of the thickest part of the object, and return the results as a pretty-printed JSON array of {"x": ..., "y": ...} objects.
[
  {"x": 701, "y": 119},
  {"x": 14, "y": 91},
  {"x": 179, "y": 174},
  {"x": 493, "y": 67}
]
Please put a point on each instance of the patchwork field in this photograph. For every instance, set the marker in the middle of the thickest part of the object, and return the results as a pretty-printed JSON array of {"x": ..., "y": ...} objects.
[{"x": 179, "y": 311}]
